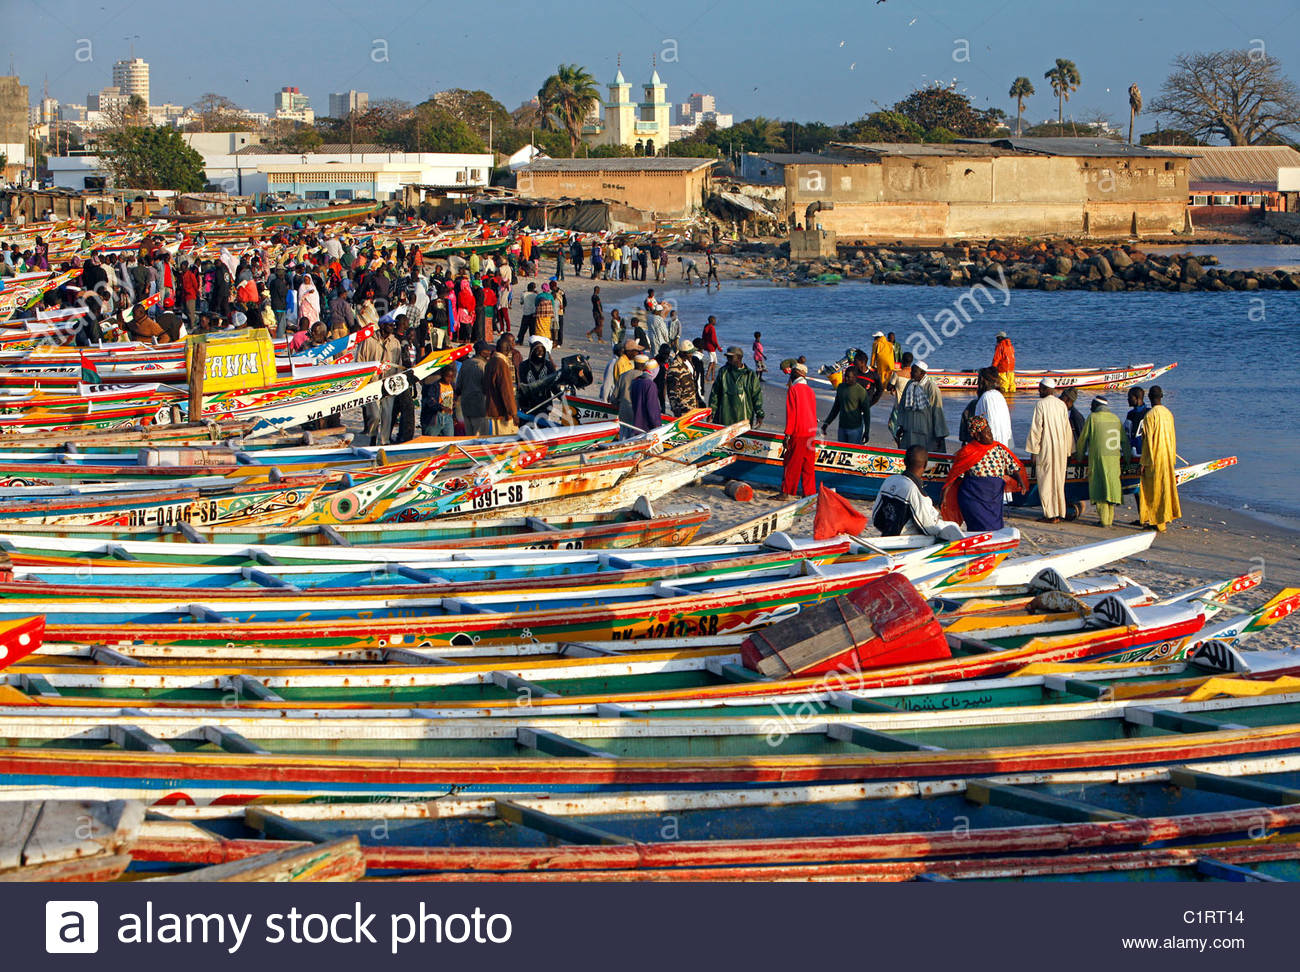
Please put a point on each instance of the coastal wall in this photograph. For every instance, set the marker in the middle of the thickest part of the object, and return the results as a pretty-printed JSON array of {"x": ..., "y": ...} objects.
[{"x": 901, "y": 197}]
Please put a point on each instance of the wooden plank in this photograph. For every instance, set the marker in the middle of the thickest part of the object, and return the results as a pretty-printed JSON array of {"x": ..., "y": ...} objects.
[
  {"x": 276, "y": 827},
  {"x": 988, "y": 793},
  {"x": 1219, "y": 871},
  {"x": 553, "y": 744},
  {"x": 332, "y": 535},
  {"x": 338, "y": 860},
  {"x": 247, "y": 685},
  {"x": 104, "y": 655},
  {"x": 266, "y": 559},
  {"x": 118, "y": 552},
  {"x": 405, "y": 656},
  {"x": 419, "y": 576},
  {"x": 206, "y": 615},
  {"x": 1245, "y": 789},
  {"x": 35, "y": 684},
  {"x": 1076, "y": 686},
  {"x": 578, "y": 649},
  {"x": 569, "y": 831},
  {"x": 263, "y": 579},
  {"x": 16, "y": 823},
  {"x": 190, "y": 534},
  {"x": 458, "y": 605},
  {"x": 1140, "y": 715},
  {"x": 732, "y": 672},
  {"x": 873, "y": 739},
  {"x": 69, "y": 829},
  {"x": 231, "y": 741},
  {"x": 520, "y": 686},
  {"x": 853, "y": 703},
  {"x": 960, "y": 644},
  {"x": 136, "y": 739},
  {"x": 608, "y": 710},
  {"x": 100, "y": 867},
  {"x": 539, "y": 525}
]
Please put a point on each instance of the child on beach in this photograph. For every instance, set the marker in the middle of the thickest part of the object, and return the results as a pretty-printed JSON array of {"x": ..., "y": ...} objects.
[{"x": 760, "y": 356}]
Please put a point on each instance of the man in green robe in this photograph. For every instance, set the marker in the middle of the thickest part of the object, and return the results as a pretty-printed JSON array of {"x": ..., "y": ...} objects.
[
  {"x": 918, "y": 417},
  {"x": 1105, "y": 443},
  {"x": 737, "y": 395}
]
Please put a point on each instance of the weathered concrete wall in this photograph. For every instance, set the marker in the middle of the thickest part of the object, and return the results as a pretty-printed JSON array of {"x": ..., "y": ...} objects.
[
  {"x": 1010, "y": 195},
  {"x": 663, "y": 193},
  {"x": 812, "y": 244}
]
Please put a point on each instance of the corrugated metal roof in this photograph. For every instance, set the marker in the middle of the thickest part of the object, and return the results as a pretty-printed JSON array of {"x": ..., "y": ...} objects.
[
  {"x": 1237, "y": 163},
  {"x": 919, "y": 148},
  {"x": 1076, "y": 147},
  {"x": 798, "y": 158},
  {"x": 654, "y": 163},
  {"x": 366, "y": 148}
]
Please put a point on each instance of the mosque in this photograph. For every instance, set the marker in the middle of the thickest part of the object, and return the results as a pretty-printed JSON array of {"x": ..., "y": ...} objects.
[{"x": 642, "y": 126}]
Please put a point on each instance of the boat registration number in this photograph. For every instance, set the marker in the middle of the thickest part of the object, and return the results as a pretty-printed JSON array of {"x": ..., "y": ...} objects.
[{"x": 676, "y": 628}]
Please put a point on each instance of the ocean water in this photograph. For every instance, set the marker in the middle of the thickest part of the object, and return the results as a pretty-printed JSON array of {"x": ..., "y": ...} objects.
[{"x": 1234, "y": 391}]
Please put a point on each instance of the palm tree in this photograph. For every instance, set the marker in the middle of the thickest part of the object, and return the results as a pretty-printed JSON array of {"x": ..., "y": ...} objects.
[
  {"x": 1134, "y": 108},
  {"x": 763, "y": 134},
  {"x": 1021, "y": 88},
  {"x": 1065, "y": 78},
  {"x": 566, "y": 98}
]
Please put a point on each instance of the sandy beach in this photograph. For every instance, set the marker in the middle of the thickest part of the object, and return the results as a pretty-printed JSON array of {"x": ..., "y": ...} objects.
[{"x": 1210, "y": 543}]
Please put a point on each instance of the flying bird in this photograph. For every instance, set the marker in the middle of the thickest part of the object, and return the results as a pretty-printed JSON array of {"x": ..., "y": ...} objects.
[
  {"x": 841, "y": 43},
  {"x": 911, "y": 22},
  {"x": 853, "y": 65}
]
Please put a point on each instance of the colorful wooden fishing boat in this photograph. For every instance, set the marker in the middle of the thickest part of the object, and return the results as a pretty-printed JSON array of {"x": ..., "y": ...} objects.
[{"x": 1027, "y": 380}]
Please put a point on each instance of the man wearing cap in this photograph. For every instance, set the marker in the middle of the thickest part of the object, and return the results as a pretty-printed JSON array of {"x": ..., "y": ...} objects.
[
  {"x": 469, "y": 390},
  {"x": 1050, "y": 442},
  {"x": 1004, "y": 360},
  {"x": 1104, "y": 444},
  {"x": 798, "y": 451},
  {"x": 882, "y": 358},
  {"x": 918, "y": 417},
  {"x": 737, "y": 395},
  {"x": 644, "y": 395},
  {"x": 627, "y": 426},
  {"x": 617, "y": 367}
]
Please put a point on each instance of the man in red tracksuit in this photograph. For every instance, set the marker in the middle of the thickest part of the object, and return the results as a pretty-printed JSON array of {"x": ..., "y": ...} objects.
[{"x": 800, "y": 432}]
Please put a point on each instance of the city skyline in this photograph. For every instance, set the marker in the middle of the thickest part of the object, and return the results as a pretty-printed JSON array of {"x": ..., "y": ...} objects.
[{"x": 845, "y": 63}]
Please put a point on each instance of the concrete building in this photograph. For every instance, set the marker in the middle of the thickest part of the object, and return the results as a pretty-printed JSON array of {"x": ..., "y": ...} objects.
[
  {"x": 700, "y": 108},
  {"x": 985, "y": 188},
  {"x": 132, "y": 77},
  {"x": 1229, "y": 183},
  {"x": 13, "y": 124},
  {"x": 346, "y": 102},
  {"x": 643, "y": 126},
  {"x": 292, "y": 105},
  {"x": 107, "y": 99},
  {"x": 664, "y": 187}
]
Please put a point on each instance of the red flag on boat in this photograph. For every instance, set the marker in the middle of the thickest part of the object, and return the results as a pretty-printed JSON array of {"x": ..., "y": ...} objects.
[{"x": 836, "y": 515}]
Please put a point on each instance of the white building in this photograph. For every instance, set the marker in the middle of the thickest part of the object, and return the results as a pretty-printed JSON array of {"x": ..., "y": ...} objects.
[
  {"x": 345, "y": 103},
  {"x": 368, "y": 172},
  {"x": 106, "y": 99},
  {"x": 132, "y": 77},
  {"x": 292, "y": 105},
  {"x": 643, "y": 125}
]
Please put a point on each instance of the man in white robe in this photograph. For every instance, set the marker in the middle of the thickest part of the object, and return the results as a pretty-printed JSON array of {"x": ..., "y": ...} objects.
[{"x": 1051, "y": 443}]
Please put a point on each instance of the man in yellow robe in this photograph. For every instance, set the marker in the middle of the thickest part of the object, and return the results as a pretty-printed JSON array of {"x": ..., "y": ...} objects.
[
  {"x": 882, "y": 358},
  {"x": 1158, "y": 494}
]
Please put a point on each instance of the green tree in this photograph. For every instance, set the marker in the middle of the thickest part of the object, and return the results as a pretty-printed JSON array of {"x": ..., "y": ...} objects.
[
  {"x": 610, "y": 152},
  {"x": 431, "y": 129},
  {"x": 1021, "y": 88},
  {"x": 936, "y": 107},
  {"x": 484, "y": 115},
  {"x": 1169, "y": 136},
  {"x": 1064, "y": 78},
  {"x": 152, "y": 158},
  {"x": 565, "y": 99},
  {"x": 884, "y": 126},
  {"x": 757, "y": 134}
]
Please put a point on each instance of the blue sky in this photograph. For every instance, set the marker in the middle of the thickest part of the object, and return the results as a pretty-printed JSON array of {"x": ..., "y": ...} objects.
[{"x": 833, "y": 60}]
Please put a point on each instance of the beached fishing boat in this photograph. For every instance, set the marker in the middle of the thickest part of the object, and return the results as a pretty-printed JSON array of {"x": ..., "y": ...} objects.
[
  {"x": 1027, "y": 380},
  {"x": 615, "y": 759},
  {"x": 856, "y": 471},
  {"x": 1163, "y": 823}
]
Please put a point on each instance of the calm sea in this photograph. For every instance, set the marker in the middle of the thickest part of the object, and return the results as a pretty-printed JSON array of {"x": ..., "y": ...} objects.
[{"x": 1234, "y": 391}]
